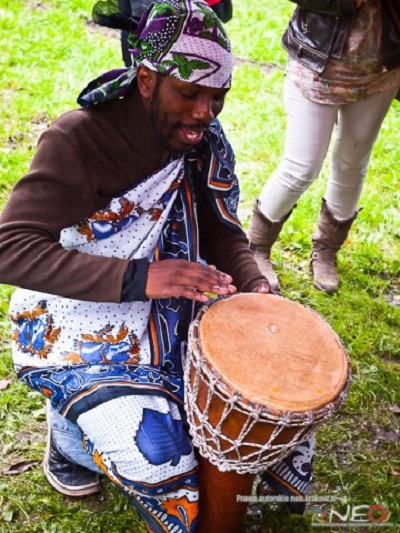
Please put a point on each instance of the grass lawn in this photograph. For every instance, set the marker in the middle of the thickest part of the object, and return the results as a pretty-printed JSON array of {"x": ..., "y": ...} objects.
[{"x": 50, "y": 50}]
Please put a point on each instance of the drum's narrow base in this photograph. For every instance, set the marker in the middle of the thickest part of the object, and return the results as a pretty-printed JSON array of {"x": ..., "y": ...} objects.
[{"x": 220, "y": 509}]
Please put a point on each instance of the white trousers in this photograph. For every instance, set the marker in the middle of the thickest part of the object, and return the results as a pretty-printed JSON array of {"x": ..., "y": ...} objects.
[{"x": 308, "y": 134}]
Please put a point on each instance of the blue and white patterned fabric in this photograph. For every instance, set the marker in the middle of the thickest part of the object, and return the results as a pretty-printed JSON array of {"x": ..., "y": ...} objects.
[
  {"x": 81, "y": 353},
  {"x": 142, "y": 444}
]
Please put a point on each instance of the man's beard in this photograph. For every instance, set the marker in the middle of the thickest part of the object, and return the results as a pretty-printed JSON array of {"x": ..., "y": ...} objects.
[{"x": 161, "y": 126}]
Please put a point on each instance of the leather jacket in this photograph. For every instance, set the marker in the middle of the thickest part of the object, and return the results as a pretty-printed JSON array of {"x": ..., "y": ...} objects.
[{"x": 319, "y": 29}]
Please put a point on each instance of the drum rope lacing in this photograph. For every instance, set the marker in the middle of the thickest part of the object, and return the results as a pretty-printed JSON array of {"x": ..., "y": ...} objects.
[{"x": 239, "y": 454}]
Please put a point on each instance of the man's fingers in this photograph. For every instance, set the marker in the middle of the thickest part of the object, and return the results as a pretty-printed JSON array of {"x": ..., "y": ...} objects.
[
  {"x": 204, "y": 278},
  {"x": 205, "y": 296},
  {"x": 180, "y": 278},
  {"x": 263, "y": 287},
  {"x": 193, "y": 294}
]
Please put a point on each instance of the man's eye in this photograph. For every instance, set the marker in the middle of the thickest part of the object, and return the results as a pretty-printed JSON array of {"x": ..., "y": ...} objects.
[{"x": 188, "y": 96}]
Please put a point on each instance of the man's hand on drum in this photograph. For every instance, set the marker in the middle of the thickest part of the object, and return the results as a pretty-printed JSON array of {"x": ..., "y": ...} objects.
[
  {"x": 263, "y": 287},
  {"x": 180, "y": 278}
]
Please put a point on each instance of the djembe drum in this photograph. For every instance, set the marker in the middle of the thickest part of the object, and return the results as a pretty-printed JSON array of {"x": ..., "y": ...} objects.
[{"x": 262, "y": 372}]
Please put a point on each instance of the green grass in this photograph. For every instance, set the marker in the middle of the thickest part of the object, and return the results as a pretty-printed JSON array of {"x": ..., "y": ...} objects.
[{"x": 49, "y": 53}]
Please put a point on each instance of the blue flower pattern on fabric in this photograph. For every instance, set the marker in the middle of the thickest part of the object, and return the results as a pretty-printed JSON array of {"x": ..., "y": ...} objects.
[
  {"x": 104, "y": 347},
  {"x": 35, "y": 332},
  {"x": 32, "y": 334},
  {"x": 161, "y": 438},
  {"x": 105, "y": 222}
]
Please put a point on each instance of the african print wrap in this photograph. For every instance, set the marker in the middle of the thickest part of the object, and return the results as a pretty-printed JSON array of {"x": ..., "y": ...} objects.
[
  {"x": 102, "y": 343},
  {"x": 181, "y": 38},
  {"x": 142, "y": 445},
  {"x": 79, "y": 354}
]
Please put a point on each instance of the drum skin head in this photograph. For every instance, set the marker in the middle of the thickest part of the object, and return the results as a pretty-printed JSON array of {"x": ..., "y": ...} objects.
[{"x": 274, "y": 352}]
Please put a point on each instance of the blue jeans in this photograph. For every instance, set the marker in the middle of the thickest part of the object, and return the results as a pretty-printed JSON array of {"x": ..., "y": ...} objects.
[{"x": 67, "y": 437}]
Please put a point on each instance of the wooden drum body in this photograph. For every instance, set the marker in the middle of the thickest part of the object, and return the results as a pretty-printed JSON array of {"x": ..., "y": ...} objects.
[{"x": 262, "y": 372}]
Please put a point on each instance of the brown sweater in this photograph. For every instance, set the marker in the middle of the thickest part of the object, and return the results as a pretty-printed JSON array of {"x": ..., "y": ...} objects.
[{"x": 87, "y": 157}]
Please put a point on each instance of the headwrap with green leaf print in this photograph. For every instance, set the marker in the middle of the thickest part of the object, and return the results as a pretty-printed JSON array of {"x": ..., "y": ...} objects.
[{"x": 181, "y": 38}]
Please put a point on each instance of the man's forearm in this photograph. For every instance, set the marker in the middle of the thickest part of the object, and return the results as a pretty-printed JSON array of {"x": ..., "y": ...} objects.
[{"x": 33, "y": 262}]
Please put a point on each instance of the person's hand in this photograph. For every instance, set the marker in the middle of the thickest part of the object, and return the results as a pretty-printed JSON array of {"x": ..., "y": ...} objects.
[
  {"x": 263, "y": 287},
  {"x": 357, "y": 3},
  {"x": 180, "y": 278}
]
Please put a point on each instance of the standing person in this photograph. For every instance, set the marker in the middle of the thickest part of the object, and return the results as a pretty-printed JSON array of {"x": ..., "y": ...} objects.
[
  {"x": 112, "y": 236},
  {"x": 343, "y": 69}
]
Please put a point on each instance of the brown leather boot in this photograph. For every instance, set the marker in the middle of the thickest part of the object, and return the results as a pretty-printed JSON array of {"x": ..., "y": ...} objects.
[
  {"x": 327, "y": 241},
  {"x": 262, "y": 235}
]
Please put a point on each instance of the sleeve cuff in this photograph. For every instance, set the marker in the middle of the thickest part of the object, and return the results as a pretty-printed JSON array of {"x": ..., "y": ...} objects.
[{"x": 134, "y": 281}]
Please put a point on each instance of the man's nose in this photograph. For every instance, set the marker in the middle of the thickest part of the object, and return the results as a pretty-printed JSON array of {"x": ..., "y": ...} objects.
[{"x": 203, "y": 110}]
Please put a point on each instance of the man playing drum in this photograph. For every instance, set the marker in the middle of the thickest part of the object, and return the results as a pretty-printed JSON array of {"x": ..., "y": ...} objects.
[{"x": 112, "y": 236}]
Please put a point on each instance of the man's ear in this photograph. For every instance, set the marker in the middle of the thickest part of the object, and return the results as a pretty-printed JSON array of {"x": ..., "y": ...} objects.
[{"x": 146, "y": 80}]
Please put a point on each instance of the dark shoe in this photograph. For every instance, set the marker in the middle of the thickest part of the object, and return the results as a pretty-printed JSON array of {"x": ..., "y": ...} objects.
[
  {"x": 296, "y": 507},
  {"x": 66, "y": 477},
  {"x": 327, "y": 241}
]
